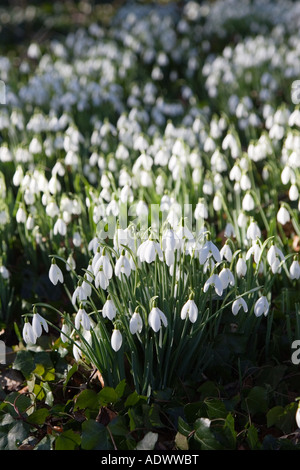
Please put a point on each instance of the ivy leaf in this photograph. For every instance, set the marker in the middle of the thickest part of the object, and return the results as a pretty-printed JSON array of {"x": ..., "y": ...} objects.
[
  {"x": 24, "y": 362},
  {"x": 204, "y": 435},
  {"x": 68, "y": 440},
  {"x": 94, "y": 436}
]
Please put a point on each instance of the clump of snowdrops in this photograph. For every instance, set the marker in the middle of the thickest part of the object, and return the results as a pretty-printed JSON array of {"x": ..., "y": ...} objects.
[{"x": 107, "y": 138}]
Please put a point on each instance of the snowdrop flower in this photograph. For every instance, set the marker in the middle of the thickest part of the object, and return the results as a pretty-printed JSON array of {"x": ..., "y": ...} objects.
[
  {"x": 4, "y": 273},
  {"x": 86, "y": 285},
  {"x": 189, "y": 309},
  {"x": 274, "y": 258},
  {"x": 229, "y": 231},
  {"x": 237, "y": 304},
  {"x": 101, "y": 280},
  {"x": 241, "y": 267},
  {"x": 261, "y": 307},
  {"x": 28, "y": 333},
  {"x": 77, "y": 353},
  {"x": 283, "y": 216},
  {"x": 60, "y": 227},
  {"x": 295, "y": 269},
  {"x": 83, "y": 319},
  {"x": 55, "y": 273},
  {"x": 21, "y": 215},
  {"x": 109, "y": 309},
  {"x": 38, "y": 323},
  {"x": 71, "y": 264},
  {"x": 226, "y": 277},
  {"x": 254, "y": 250},
  {"x": 216, "y": 282},
  {"x": 136, "y": 323},
  {"x": 104, "y": 264},
  {"x": 248, "y": 203},
  {"x": 209, "y": 249},
  {"x": 116, "y": 340},
  {"x": 253, "y": 231},
  {"x": 242, "y": 220},
  {"x": 156, "y": 318},
  {"x": 148, "y": 251},
  {"x": 201, "y": 211},
  {"x": 79, "y": 294},
  {"x": 226, "y": 252},
  {"x": 65, "y": 332},
  {"x": 122, "y": 266}
]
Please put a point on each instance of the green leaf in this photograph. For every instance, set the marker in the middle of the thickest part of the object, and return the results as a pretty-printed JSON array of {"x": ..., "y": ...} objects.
[
  {"x": 282, "y": 418},
  {"x": 148, "y": 442},
  {"x": 94, "y": 436},
  {"x": 195, "y": 410},
  {"x": 24, "y": 362},
  {"x": 120, "y": 388},
  {"x": 46, "y": 443},
  {"x": 87, "y": 399},
  {"x": 252, "y": 438},
  {"x": 68, "y": 440},
  {"x": 39, "y": 416},
  {"x": 108, "y": 396},
  {"x": 49, "y": 399},
  {"x": 204, "y": 435},
  {"x": 134, "y": 398},
  {"x": 16, "y": 435},
  {"x": 230, "y": 432},
  {"x": 184, "y": 428},
  {"x": 215, "y": 408},
  {"x": 256, "y": 401}
]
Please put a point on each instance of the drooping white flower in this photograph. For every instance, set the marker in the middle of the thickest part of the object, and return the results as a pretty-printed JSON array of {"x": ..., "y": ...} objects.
[
  {"x": 83, "y": 319},
  {"x": 274, "y": 258},
  {"x": 226, "y": 277},
  {"x": 4, "y": 272},
  {"x": 116, "y": 340},
  {"x": 109, "y": 309},
  {"x": 209, "y": 249},
  {"x": 248, "y": 203},
  {"x": 38, "y": 323},
  {"x": 156, "y": 318},
  {"x": 241, "y": 267},
  {"x": 136, "y": 323},
  {"x": 122, "y": 266},
  {"x": 255, "y": 250},
  {"x": 55, "y": 273},
  {"x": 101, "y": 280},
  {"x": 215, "y": 281},
  {"x": 253, "y": 231},
  {"x": 229, "y": 231},
  {"x": 237, "y": 304},
  {"x": 65, "y": 332},
  {"x": 104, "y": 264},
  {"x": 28, "y": 334},
  {"x": 71, "y": 264},
  {"x": 261, "y": 307},
  {"x": 295, "y": 269},
  {"x": 226, "y": 252},
  {"x": 79, "y": 294},
  {"x": 77, "y": 353},
  {"x": 283, "y": 216},
  {"x": 148, "y": 251},
  {"x": 189, "y": 310}
]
